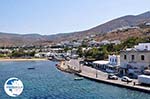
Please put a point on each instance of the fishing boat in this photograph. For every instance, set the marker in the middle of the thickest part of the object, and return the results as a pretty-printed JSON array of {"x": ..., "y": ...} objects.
[{"x": 30, "y": 68}]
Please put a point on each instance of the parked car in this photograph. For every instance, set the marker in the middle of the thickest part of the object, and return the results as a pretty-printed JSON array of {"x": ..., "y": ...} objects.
[
  {"x": 67, "y": 58},
  {"x": 126, "y": 79},
  {"x": 112, "y": 76}
]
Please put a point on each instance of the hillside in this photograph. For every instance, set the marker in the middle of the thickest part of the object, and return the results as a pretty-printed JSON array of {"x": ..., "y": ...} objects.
[
  {"x": 103, "y": 31},
  {"x": 9, "y": 39},
  {"x": 126, "y": 21}
]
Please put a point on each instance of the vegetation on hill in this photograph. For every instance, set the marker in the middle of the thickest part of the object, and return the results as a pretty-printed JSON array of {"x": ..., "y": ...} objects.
[
  {"x": 17, "y": 54},
  {"x": 21, "y": 53},
  {"x": 102, "y": 52}
]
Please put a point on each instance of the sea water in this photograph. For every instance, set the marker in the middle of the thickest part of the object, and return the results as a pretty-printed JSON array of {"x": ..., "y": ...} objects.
[{"x": 46, "y": 82}]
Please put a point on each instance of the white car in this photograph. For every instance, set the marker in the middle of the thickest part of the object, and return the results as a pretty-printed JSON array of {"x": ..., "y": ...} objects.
[
  {"x": 126, "y": 79},
  {"x": 112, "y": 76}
]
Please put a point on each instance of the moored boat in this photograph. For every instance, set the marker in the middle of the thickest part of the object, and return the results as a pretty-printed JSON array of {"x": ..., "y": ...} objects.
[
  {"x": 30, "y": 68},
  {"x": 78, "y": 78}
]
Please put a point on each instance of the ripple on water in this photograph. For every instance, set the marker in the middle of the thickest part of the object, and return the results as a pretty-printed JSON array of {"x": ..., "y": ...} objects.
[{"x": 46, "y": 82}]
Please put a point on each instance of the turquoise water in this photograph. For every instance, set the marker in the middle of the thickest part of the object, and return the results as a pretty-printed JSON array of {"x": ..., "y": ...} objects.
[{"x": 46, "y": 82}]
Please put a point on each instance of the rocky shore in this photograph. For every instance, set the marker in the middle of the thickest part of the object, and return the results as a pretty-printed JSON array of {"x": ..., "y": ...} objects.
[{"x": 63, "y": 66}]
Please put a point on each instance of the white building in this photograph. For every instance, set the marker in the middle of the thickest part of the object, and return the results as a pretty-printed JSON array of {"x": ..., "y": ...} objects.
[
  {"x": 116, "y": 42},
  {"x": 143, "y": 46},
  {"x": 40, "y": 55},
  {"x": 104, "y": 42},
  {"x": 114, "y": 59},
  {"x": 135, "y": 60},
  {"x": 148, "y": 24},
  {"x": 101, "y": 64},
  {"x": 109, "y": 66},
  {"x": 93, "y": 43}
]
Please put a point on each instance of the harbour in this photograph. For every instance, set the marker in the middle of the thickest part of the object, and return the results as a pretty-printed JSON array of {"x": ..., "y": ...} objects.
[
  {"x": 99, "y": 76},
  {"x": 47, "y": 82},
  {"x": 75, "y": 49}
]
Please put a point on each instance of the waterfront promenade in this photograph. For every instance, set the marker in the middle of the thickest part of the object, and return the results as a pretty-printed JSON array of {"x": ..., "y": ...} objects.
[{"x": 100, "y": 76}]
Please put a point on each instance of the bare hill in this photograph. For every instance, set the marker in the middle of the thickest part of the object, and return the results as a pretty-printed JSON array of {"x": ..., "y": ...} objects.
[{"x": 103, "y": 31}]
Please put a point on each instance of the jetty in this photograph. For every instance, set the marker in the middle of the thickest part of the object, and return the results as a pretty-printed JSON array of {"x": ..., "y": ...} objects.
[{"x": 73, "y": 66}]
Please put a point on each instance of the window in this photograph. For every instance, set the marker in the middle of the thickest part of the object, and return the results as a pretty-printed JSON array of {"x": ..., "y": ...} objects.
[
  {"x": 132, "y": 57},
  {"x": 125, "y": 57},
  {"x": 142, "y": 57},
  {"x": 146, "y": 47}
]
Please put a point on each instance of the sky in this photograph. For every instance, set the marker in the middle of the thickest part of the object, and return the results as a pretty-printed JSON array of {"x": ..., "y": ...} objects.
[{"x": 63, "y": 16}]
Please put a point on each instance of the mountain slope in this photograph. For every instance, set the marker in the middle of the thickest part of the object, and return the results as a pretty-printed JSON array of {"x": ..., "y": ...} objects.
[
  {"x": 8, "y": 39},
  {"x": 125, "y": 21}
]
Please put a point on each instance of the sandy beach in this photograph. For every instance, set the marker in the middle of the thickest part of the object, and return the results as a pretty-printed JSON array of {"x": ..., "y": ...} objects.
[{"x": 23, "y": 59}]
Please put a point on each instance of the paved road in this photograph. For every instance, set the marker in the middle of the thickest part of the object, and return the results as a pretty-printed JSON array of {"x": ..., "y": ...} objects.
[
  {"x": 91, "y": 72},
  {"x": 86, "y": 70}
]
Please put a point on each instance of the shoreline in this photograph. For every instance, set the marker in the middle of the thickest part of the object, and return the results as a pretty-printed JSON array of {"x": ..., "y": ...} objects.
[
  {"x": 91, "y": 76},
  {"x": 109, "y": 82},
  {"x": 22, "y": 59}
]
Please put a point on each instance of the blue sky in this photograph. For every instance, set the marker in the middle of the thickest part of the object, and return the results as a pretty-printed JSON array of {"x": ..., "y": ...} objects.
[{"x": 63, "y": 16}]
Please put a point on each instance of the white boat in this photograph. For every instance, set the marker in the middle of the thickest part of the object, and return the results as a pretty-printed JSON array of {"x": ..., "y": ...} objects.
[{"x": 78, "y": 78}]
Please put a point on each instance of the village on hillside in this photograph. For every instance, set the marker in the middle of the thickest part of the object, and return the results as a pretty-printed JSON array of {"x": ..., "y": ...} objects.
[
  {"x": 121, "y": 57},
  {"x": 129, "y": 59}
]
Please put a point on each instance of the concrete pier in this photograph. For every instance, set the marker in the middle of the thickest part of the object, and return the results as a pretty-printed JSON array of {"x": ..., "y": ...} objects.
[{"x": 99, "y": 76}]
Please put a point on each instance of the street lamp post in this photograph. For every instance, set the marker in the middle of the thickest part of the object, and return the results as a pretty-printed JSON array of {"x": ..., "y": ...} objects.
[
  {"x": 80, "y": 67},
  {"x": 95, "y": 71}
]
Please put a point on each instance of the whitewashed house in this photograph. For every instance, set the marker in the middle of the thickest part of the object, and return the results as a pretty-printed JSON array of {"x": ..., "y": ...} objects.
[
  {"x": 40, "y": 55},
  {"x": 116, "y": 42},
  {"x": 114, "y": 63},
  {"x": 93, "y": 43},
  {"x": 147, "y": 24},
  {"x": 142, "y": 46},
  {"x": 114, "y": 59},
  {"x": 104, "y": 42}
]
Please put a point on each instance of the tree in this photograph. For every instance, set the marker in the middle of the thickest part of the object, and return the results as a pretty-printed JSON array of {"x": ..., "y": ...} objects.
[
  {"x": 80, "y": 52},
  {"x": 17, "y": 54},
  {"x": 66, "y": 49}
]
